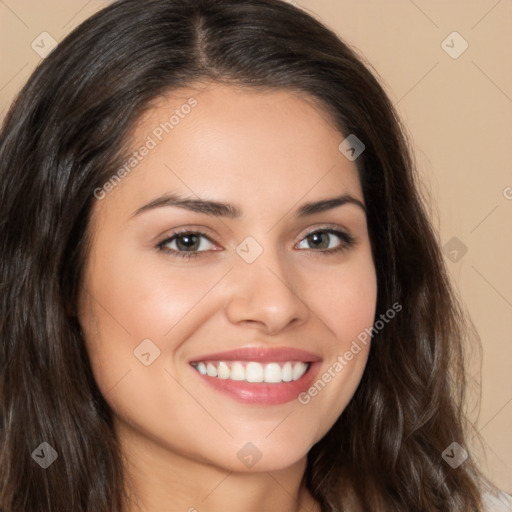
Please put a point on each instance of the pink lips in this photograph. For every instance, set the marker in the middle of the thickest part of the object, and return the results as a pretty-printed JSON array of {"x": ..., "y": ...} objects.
[{"x": 261, "y": 392}]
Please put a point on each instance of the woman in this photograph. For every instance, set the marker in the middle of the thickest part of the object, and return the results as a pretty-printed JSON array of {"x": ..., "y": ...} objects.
[{"x": 220, "y": 286}]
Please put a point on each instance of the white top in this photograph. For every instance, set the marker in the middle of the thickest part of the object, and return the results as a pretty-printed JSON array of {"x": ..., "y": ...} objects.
[{"x": 502, "y": 502}]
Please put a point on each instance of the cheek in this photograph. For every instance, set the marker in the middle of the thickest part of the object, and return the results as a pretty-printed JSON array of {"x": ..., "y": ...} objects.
[
  {"x": 143, "y": 296},
  {"x": 344, "y": 297},
  {"x": 346, "y": 306},
  {"x": 126, "y": 304},
  {"x": 351, "y": 305}
]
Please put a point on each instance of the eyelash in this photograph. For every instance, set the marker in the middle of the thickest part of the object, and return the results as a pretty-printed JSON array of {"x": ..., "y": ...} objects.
[{"x": 347, "y": 242}]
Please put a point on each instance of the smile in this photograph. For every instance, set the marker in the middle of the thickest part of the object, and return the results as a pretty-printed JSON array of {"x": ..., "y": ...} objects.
[
  {"x": 258, "y": 375},
  {"x": 253, "y": 371}
]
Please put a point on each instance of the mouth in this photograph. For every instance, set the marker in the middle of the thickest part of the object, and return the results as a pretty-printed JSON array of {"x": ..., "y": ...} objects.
[
  {"x": 258, "y": 376},
  {"x": 253, "y": 371}
]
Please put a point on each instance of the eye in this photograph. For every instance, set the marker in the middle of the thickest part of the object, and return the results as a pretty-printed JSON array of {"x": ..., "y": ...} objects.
[
  {"x": 190, "y": 244},
  {"x": 186, "y": 244},
  {"x": 327, "y": 241}
]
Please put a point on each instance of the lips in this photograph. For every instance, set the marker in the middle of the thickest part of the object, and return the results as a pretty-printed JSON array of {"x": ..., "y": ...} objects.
[{"x": 258, "y": 375}]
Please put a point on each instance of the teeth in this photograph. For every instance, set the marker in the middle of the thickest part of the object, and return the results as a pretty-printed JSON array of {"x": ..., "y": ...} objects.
[
  {"x": 223, "y": 371},
  {"x": 273, "y": 373},
  {"x": 237, "y": 372},
  {"x": 253, "y": 371},
  {"x": 299, "y": 369},
  {"x": 287, "y": 372},
  {"x": 211, "y": 370}
]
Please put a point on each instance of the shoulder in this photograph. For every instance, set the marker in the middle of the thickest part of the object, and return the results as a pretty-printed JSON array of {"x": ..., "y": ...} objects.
[{"x": 497, "y": 502}]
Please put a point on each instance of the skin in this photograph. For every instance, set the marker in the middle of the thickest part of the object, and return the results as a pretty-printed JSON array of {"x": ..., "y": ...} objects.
[{"x": 267, "y": 152}]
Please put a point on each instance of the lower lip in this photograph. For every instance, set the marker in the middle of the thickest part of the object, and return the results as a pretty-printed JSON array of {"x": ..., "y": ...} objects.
[{"x": 262, "y": 392}]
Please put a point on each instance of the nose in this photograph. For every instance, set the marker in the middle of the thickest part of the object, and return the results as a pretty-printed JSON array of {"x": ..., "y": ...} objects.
[{"x": 266, "y": 295}]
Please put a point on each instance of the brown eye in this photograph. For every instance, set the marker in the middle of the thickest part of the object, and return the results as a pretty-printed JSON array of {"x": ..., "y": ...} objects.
[
  {"x": 319, "y": 240},
  {"x": 186, "y": 244},
  {"x": 327, "y": 240}
]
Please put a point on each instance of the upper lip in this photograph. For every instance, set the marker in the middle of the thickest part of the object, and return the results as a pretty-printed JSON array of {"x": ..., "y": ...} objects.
[{"x": 260, "y": 354}]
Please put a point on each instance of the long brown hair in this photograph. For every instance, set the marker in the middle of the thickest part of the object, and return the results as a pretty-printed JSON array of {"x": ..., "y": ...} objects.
[{"x": 67, "y": 133}]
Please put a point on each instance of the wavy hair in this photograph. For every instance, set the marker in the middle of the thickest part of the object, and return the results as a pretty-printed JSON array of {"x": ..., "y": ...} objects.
[{"x": 66, "y": 134}]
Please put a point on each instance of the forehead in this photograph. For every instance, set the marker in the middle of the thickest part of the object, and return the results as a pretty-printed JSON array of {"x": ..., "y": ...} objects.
[{"x": 239, "y": 144}]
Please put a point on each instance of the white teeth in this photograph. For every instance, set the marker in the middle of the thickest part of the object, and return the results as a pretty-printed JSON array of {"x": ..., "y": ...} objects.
[
  {"x": 252, "y": 371},
  {"x": 201, "y": 368},
  {"x": 237, "y": 371},
  {"x": 299, "y": 369},
  {"x": 211, "y": 370},
  {"x": 223, "y": 371},
  {"x": 287, "y": 372},
  {"x": 272, "y": 373}
]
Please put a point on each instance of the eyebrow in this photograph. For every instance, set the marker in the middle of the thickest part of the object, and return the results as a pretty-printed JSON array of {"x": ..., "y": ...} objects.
[{"x": 220, "y": 209}]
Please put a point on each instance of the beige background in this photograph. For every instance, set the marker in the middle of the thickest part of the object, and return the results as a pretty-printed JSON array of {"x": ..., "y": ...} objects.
[{"x": 459, "y": 113}]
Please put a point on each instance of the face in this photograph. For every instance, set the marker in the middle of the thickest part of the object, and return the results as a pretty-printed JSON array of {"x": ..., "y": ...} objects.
[{"x": 229, "y": 274}]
